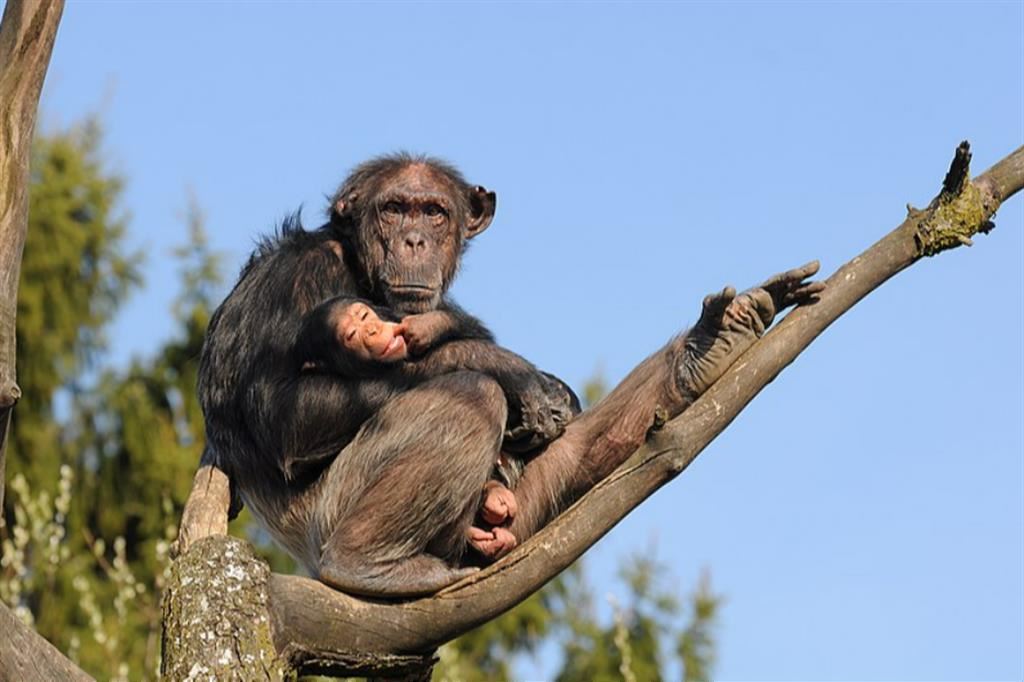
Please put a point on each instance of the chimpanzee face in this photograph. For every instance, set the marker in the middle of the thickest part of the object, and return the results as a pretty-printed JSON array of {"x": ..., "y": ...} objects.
[
  {"x": 411, "y": 223},
  {"x": 415, "y": 216}
]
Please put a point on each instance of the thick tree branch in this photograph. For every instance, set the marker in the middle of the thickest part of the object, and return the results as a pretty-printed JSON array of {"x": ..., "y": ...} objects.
[
  {"x": 205, "y": 512},
  {"x": 27, "y": 33},
  {"x": 25, "y": 656},
  {"x": 318, "y": 629}
]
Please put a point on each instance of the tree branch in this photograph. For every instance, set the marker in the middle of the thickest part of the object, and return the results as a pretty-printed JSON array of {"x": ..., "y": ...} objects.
[
  {"x": 206, "y": 509},
  {"x": 27, "y": 32},
  {"x": 25, "y": 656},
  {"x": 316, "y": 629}
]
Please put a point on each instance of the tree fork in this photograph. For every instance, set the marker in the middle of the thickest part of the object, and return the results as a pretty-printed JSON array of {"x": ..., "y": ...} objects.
[{"x": 317, "y": 629}]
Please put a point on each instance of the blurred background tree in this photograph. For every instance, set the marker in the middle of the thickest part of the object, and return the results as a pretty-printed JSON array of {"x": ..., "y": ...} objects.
[
  {"x": 84, "y": 563},
  {"x": 102, "y": 454}
]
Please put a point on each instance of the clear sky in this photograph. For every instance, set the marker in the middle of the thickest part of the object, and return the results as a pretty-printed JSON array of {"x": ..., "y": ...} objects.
[{"x": 864, "y": 515}]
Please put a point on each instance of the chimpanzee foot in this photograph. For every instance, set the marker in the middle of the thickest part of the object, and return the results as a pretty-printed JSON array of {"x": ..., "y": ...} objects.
[
  {"x": 494, "y": 543},
  {"x": 499, "y": 504},
  {"x": 729, "y": 324},
  {"x": 417, "y": 576}
]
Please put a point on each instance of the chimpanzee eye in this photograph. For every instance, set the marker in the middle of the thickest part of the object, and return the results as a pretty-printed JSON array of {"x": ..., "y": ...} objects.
[
  {"x": 392, "y": 207},
  {"x": 433, "y": 210}
]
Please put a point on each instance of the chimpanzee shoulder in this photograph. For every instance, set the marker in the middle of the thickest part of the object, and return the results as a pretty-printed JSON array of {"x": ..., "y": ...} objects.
[
  {"x": 291, "y": 240},
  {"x": 252, "y": 332}
]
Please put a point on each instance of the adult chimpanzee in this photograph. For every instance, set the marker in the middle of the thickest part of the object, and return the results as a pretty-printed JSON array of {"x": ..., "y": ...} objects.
[{"x": 369, "y": 467}]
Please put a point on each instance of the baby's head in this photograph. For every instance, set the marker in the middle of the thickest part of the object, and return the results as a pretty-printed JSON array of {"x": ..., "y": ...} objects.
[{"x": 362, "y": 332}]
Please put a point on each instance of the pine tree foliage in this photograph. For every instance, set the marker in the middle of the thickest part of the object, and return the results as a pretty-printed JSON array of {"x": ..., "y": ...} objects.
[
  {"x": 84, "y": 563},
  {"x": 629, "y": 644},
  {"x": 696, "y": 643},
  {"x": 75, "y": 272}
]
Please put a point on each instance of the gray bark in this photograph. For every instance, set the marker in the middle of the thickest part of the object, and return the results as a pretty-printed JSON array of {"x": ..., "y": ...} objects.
[
  {"x": 216, "y": 625},
  {"x": 27, "y": 32},
  {"x": 27, "y": 657}
]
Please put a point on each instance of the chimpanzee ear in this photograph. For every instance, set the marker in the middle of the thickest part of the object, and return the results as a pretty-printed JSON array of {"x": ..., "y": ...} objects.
[
  {"x": 481, "y": 211},
  {"x": 343, "y": 207}
]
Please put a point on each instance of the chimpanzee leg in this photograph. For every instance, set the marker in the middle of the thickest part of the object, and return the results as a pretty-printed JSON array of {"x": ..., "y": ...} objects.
[
  {"x": 409, "y": 484},
  {"x": 667, "y": 382}
]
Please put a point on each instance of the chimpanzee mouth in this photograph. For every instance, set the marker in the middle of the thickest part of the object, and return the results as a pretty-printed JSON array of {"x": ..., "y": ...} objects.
[
  {"x": 412, "y": 290},
  {"x": 410, "y": 299}
]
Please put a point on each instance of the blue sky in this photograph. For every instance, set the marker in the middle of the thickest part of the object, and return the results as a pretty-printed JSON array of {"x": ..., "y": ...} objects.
[{"x": 864, "y": 516}]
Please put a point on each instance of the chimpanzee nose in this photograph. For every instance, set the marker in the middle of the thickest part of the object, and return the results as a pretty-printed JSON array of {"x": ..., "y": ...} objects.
[{"x": 415, "y": 241}]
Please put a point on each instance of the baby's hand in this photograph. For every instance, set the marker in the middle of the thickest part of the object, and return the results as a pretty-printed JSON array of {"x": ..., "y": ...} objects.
[{"x": 422, "y": 331}]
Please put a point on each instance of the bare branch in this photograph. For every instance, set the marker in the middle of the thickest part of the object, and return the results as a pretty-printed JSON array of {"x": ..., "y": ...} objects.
[
  {"x": 27, "y": 32},
  {"x": 27, "y": 657},
  {"x": 317, "y": 628},
  {"x": 206, "y": 510}
]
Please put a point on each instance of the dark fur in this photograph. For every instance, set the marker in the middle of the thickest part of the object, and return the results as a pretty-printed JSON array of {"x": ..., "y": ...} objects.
[{"x": 277, "y": 426}]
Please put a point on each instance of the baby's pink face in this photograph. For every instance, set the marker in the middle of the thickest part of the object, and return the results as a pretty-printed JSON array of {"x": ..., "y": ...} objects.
[{"x": 362, "y": 332}]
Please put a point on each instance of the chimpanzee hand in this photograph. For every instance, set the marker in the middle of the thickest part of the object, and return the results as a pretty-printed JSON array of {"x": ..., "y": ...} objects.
[
  {"x": 423, "y": 331},
  {"x": 730, "y": 324},
  {"x": 540, "y": 407}
]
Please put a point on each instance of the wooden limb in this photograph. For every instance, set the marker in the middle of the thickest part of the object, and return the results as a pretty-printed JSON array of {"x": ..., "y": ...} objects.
[
  {"x": 215, "y": 620},
  {"x": 5, "y": 424},
  {"x": 27, "y": 32},
  {"x": 206, "y": 510},
  {"x": 316, "y": 629},
  {"x": 27, "y": 657}
]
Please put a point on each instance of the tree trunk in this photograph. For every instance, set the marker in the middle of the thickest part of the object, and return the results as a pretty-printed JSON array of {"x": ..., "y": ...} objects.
[
  {"x": 27, "y": 32},
  {"x": 216, "y": 625}
]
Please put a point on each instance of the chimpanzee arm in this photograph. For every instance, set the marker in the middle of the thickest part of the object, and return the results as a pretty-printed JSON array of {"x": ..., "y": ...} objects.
[
  {"x": 313, "y": 415},
  {"x": 540, "y": 405},
  {"x": 332, "y": 389},
  {"x": 449, "y": 322},
  {"x": 322, "y": 338}
]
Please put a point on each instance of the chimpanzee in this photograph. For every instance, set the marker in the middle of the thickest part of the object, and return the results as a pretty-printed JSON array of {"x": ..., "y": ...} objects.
[
  {"x": 371, "y": 472},
  {"x": 354, "y": 339}
]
